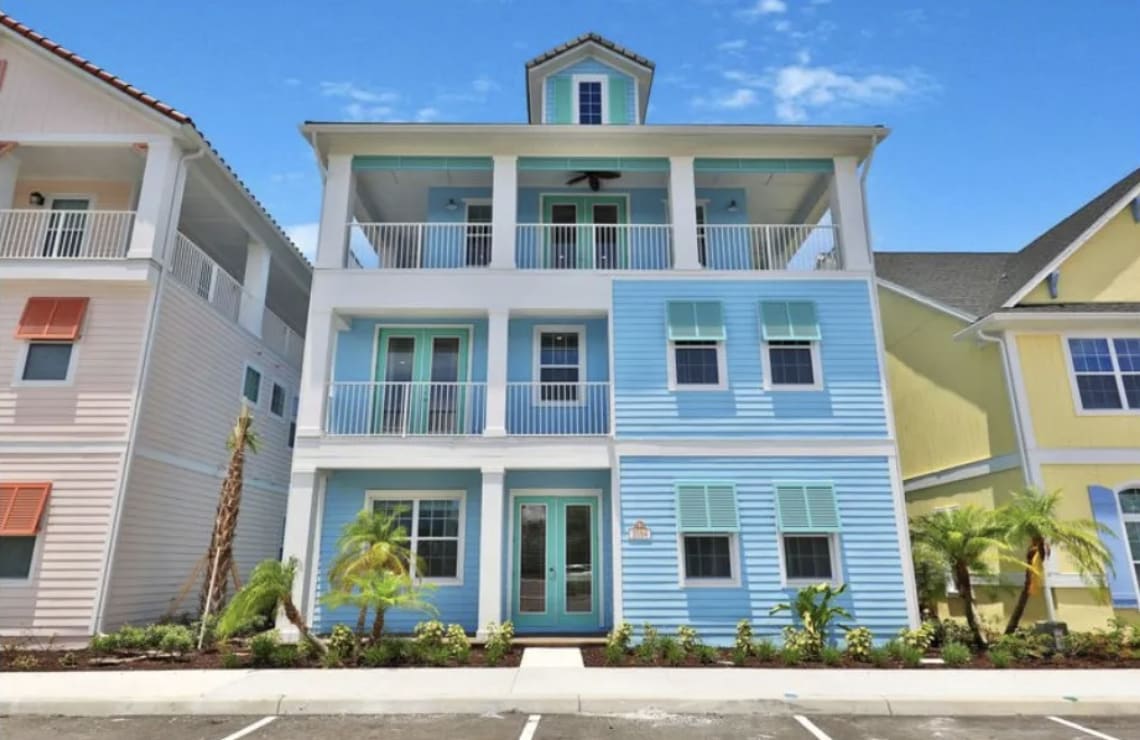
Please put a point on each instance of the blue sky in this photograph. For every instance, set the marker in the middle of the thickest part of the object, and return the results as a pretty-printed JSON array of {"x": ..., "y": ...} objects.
[{"x": 1005, "y": 115}]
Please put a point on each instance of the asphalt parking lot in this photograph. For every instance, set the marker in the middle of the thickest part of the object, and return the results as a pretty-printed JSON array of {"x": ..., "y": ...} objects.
[{"x": 647, "y": 726}]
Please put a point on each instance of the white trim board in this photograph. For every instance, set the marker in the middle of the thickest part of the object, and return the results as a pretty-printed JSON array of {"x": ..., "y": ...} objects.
[
  {"x": 965, "y": 471},
  {"x": 926, "y": 301}
]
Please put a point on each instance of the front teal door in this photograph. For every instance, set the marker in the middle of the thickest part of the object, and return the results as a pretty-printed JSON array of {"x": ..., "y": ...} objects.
[{"x": 555, "y": 573}]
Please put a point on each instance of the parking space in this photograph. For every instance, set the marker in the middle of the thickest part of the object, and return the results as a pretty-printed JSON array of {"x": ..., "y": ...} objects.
[{"x": 640, "y": 726}]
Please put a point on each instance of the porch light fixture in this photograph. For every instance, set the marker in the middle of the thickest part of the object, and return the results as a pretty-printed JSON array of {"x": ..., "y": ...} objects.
[
  {"x": 732, "y": 207},
  {"x": 451, "y": 204},
  {"x": 35, "y": 198}
]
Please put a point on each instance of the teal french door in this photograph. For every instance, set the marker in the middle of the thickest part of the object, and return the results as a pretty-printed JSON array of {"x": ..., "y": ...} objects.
[
  {"x": 555, "y": 579},
  {"x": 586, "y": 232},
  {"x": 421, "y": 388}
]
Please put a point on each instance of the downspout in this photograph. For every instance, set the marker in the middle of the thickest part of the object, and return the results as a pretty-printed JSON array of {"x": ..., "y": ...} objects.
[
  {"x": 140, "y": 386},
  {"x": 1026, "y": 472}
]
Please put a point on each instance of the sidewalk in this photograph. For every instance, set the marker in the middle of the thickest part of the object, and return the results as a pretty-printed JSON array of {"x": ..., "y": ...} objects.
[{"x": 572, "y": 690}]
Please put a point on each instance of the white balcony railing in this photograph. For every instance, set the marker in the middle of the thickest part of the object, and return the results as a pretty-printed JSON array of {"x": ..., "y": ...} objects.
[
  {"x": 191, "y": 266},
  {"x": 423, "y": 246},
  {"x": 795, "y": 247},
  {"x": 280, "y": 337},
  {"x": 594, "y": 247},
  {"x": 59, "y": 234},
  {"x": 406, "y": 409},
  {"x": 558, "y": 409}
]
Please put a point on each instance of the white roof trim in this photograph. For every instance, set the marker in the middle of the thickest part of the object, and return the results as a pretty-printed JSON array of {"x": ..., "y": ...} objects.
[{"x": 926, "y": 301}]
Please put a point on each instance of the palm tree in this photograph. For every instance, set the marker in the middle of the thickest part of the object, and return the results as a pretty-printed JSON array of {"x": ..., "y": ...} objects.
[
  {"x": 961, "y": 539},
  {"x": 373, "y": 541},
  {"x": 1031, "y": 521},
  {"x": 380, "y": 590},
  {"x": 270, "y": 587}
]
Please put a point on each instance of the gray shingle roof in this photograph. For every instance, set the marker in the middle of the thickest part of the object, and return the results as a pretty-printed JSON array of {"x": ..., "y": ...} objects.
[
  {"x": 962, "y": 280},
  {"x": 586, "y": 38}
]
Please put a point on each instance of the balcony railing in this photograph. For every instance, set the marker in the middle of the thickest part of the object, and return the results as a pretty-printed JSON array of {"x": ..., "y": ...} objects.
[
  {"x": 406, "y": 409},
  {"x": 280, "y": 337},
  {"x": 594, "y": 247},
  {"x": 61, "y": 234},
  {"x": 795, "y": 247},
  {"x": 558, "y": 409},
  {"x": 191, "y": 266},
  {"x": 427, "y": 246}
]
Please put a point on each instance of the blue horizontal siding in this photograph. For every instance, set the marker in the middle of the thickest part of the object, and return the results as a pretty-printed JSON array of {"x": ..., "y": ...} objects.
[
  {"x": 355, "y": 358},
  {"x": 850, "y": 404},
  {"x": 344, "y": 499},
  {"x": 651, "y": 590}
]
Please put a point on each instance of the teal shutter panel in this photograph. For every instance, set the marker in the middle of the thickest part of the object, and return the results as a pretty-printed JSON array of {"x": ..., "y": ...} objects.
[
  {"x": 562, "y": 90},
  {"x": 695, "y": 321},
  {"x": 1106, "y": 512},
  {"x": 706, "y": 507},
  {"x": 619, "y": 100},
  {"x": 789, "y": 321},
  {"x": 806, "y": 507}
]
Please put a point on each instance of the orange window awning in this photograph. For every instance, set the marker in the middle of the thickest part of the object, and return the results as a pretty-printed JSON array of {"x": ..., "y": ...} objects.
[
  {"x": 21, "y": 506},
  {"x": 52, "y": 318}
]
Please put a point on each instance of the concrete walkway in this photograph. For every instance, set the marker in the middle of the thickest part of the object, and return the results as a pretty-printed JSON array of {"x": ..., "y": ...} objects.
[{"x": 568, "y": 690}]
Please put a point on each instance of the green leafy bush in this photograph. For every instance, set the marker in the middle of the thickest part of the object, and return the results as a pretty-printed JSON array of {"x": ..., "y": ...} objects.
[
  {"x": 955, "y": 654},
  {"x": 230, "y": 659},
  {"x": 743, "y": 643},
  {"x": 175, "y": 639},
  {"x": 263, "y": 647},
  {"x": 831, "y": 656},
  {"x": 671, "y": 651},
  {"x": 879, "y": 657},
  {"x": 859, "y": 643},
  {"x": 104, "y": 644},
  {"x": 816, "y": 613},
  {"x": 458, "y": 644},
  {"x": 791, "y": 656},
  {"x": 808, "y": 643},
  {"x": 647, "y": 649},
  {"x": 921, "y": 638},
  {"x": 688, "y": 639},
  {"x": 621, "y": 635},
  {"x": 1024, "y": 644},
  {"x": 390, "y": 651},
  {"x": 25, "y": 663},
  {"x": 951, "y": 630},
  {"x": 343, "y": 641},
  {"x": 431, "y": 633},
  {"x": 707, "y": 654},
  {"x": 1110, "y": 644},
  {"x": 68, "y": 660},
  {"x": 130, "y": 637},
  {"x": 498, "y": 645},
  {"x": 910, "y": 656},
  {"x": 614, "y": 654},
  {"x": 285, "y": 656},
  {"x": 765, "y": 650},
  {"x": 1000, "y": 658},
  {"x": 740, "y": 655}
]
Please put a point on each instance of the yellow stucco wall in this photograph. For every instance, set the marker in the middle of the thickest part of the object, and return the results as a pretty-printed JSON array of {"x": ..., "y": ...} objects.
[
  {"x": 1052, "y": 407},
  {"x": 986, "y": 491},
  {"x": 1105, "y": 268},
  {"x": 949, "y": 397}
]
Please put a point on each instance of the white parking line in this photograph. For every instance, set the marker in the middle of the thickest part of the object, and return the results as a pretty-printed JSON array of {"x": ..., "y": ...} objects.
[
  {"x": 808, "y": 725},
  {"x": 250, "y": 728},
  {"x": 531, "y": 727},
  {"x": 1086, "y": 730}
]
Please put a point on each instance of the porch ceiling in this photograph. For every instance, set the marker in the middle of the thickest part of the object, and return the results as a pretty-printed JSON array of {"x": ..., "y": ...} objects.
[{"x": 117, "y": 163}]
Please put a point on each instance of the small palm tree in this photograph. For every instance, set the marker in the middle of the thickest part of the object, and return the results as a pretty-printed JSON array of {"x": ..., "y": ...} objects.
[
  {"x": 380, "y": 591},
  {"x": 961, "y": 540},
  {"x": 1031, "y": 522},
  {"x": 270, "y": 587},
  {"x": 373, "y": 541}
]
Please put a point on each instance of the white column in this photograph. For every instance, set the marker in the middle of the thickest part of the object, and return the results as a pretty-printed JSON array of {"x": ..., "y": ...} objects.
[
  {"x": 490, "y": 551},
  {"x": 683, "y": 213},
  {"x": 848, "y": 215},
  {"x": 9, "y": 169},
  {"x": 156, "y": 205},
  {"x": 504, "y": 210},
  {"x": 254, "y": 287},
  {"x": 497, "y": 325},
  {"x": 316, "y": 371},
  {"x": 336, "y": 212},
  {"x": 301, "y": 527}
]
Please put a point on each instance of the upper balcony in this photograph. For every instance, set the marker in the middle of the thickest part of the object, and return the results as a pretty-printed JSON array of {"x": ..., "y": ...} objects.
[{"x": 611, "y": 214}]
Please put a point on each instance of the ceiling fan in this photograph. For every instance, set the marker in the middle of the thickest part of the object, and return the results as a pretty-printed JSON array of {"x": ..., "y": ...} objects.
[{"x": 594, "y": 178}]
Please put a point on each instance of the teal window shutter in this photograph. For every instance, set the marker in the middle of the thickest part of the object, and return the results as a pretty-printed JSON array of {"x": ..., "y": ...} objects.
[
  {"x": 562, "y": 89},
  {"x": 695, "y": 321},
  {"x": 806, "y": 507},
  {"x": 789, "y": 321},
  {"x": 619, "y": 100},
  {"x": 706, "y": 507}
]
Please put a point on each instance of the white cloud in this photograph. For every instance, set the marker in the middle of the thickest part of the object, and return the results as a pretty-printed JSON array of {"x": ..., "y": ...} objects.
[
  {"x": 764, "y": 7},
  {"x": 427, "y": 113},
  {"x": 733, "y": 45},
  {"x": 799, "y": 88},
  {"x": 362, "y": 112},
  {"x": 358, "y": 94},
  {"x": 737, "y": 99},
  {"x": 782, "y": 26},
  {"x": 305, "y": 237},
  {"x": 484, "y": 84}
]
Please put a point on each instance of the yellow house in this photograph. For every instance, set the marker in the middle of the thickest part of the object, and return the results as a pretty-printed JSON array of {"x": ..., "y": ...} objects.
[{"x": 1017, "y": 368}]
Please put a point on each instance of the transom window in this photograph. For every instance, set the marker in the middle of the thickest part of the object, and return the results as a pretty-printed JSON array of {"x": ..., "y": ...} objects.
[
  {"x": 807, "y": 558},
  {"x": 560, "y": 365},
  {"x": 590, "y": 102},
  {"x": 791, "y": 363},
  {"x": 1130, "y": 509},
  {"x": 1106, "y": 372},
  {"x": 433, "y": 526}
]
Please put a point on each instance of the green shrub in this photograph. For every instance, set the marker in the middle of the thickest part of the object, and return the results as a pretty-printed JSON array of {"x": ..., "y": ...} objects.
[
  {"x": 647, "y": 649},
  {"x": 791, "y": 656},
  {"x": 831, "y": 656},
  {"x": 621, "y": 636},
  {"x": 955, "y": 654},
  {"x": 498, "y": 645},
  {"x": 879, "y": 657},
  {"x": 68, "y": 660},
  {"x": 707, "y": 654},
  {"x": 688, "y": 639},
  {"x": 104, "y": 644},
  {"x": 343, "y": 641},
  {"x": 999, "y": 658},
  {"x": 25, "y": 662},
  {"x": 309, "y": 650},
  {"x": 808, "y": 643},
  {"x": 430, "y": 655},
  {"x": 859, "y": 642},
  {"x": 921, "y": 638},
  {"x": 952, "y": 630},
  {"x": 895, "y": 648},
  {"x": 458, "y": 645},
  {"x": 176, "y": 639},
  {"x": 332, "y": 659},
  {"x": 765, "y": 650},
  {"x": 430, "y": 634},
  {"x": 263, "y": 647},
  {"x": 671, "y": 651},
  {"x": 230, "y": 659},
  {"x": 285, "y": 656},
  {"x": 614, "y": 654},
  {"x": 740, "y": 655},
  {"x": 130, "y": 637},
  {"x": 390, "y": 651},
  {"x": 815, "y": 614},
  {"x": 910, "y": 656},
  {"x": 743, "y": 637},
  {"x": 1097, "y": 644},
  {"x": 1024, "y": 644}
]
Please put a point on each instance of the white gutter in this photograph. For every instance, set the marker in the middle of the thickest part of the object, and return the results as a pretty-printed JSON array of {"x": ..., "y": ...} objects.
[{"x": 140, "y": 387}]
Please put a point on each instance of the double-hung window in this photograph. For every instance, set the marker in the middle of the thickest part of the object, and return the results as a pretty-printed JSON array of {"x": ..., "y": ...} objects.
[
  {"x": 251, "y": 385},
  {"x": 790, "y": 352},
  {"x": 808, "y": 522},
  {"x": 696, "y": 334},
  {"x": 561, "y": 364},
  {"x": 1106, "y": 373},
  {"x": 707, "y": 527},
  {"x": 591, "y": 94},
  {"x": 433, "y": 523},
  {"x": 277, "y": 400},
  {"x": 21, "y": 508},
  {"x": 50, "y": 329}
]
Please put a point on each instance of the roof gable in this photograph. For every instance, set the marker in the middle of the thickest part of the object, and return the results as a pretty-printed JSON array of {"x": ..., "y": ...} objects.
[
  {"x": 964, "y": 281},
  {"x": 586, "y": 46}
]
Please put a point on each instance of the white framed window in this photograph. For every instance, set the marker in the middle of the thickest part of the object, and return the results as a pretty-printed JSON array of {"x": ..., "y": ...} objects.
[
  {"x": 791, "y": 365},
  {"x": 591, "y": 99},
  {"x": 251, "y": 385},
  {"x": 277, "y": 397},
  {"x": 559, "y": 364},
  {"x": 808, "y": 558},
  {"x": 434, "y": 521},
  {"x": 1130, "y": 514},
  {"x": 46, "y": 363},
  {"x": 709, "y": 559},
  {"x": 1104, "y": 373},
  {"x": 697, "y": 365}
]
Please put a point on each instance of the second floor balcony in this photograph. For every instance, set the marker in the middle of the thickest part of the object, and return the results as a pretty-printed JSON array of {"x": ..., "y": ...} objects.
[{"x": 65, "y": 231}]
